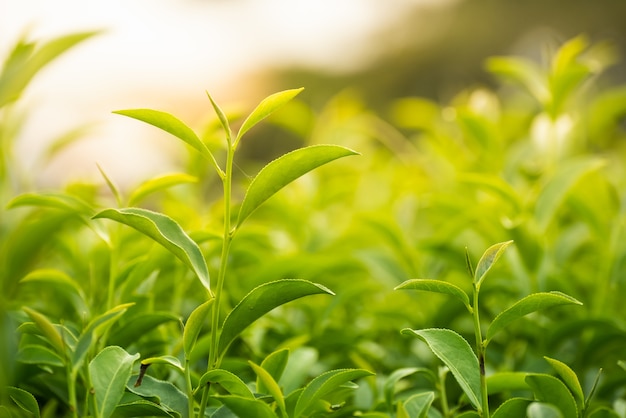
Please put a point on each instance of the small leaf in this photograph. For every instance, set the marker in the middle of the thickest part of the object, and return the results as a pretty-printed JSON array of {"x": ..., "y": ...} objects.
[
  {"x": 229, "y": 381},
  {"x": 507, "y": 382},
  {"x": 275, "y": 364},
  {"x": 194, "y": 324},
  {"x": 271, "y": 385},
  {"x": 456, "y": 353},
  {"x": 164, "y": 393},
  {"x": 141, "y": 408},
  {"x": 324, "y": 384},
  {"x": 437, "y": 286},
  {"x": 166, "y": 232},
  {"x": 110, "y": 370},
  {"x": 261, "y": 300},
  {"x": 265, "y": 108},
  {"x": 543, "y": 410},
  {"x": 48, "y": 330},
  {"x": 247, "y": 407},
  {"x": 60, "y": 201},
  {"x": 489, "y": 258},
  {"x": 551, "y": 390},
  {"x": 172, "y": 125},
  {"x": 157, "y": 184},
  {"x": 417, "y": 406},
  {"x": 285, "y": 169},
  {"x": 24, "y": 400},
  {"x": 389, "y": 387},
  {"x": 39, "y": 355},
  {"x": 168, "y": 360},
  {"x": 569, "y": 378},
  {"x": 512, "y": 408},
  {"x": 523, "y": 307},
  {"x": 139, "y": 325},
  {"x": 603, "y": 412},
  {"x": 54, "y": 277},
  {"x": 222, "y": 117},
  {"x": 112, "y": 187}
]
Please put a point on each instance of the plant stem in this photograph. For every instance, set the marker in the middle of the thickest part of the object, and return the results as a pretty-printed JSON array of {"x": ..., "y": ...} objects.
[
  {"x": 480, "y": 352},
  {"x": 189, "y": 388},
  {"x": 215, "y": 312},
  {"x": 445, "y": 410}
]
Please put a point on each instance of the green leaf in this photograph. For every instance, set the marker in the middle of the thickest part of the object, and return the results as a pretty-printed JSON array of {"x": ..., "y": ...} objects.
[
  {"x": 551, "y": 390},
  {"x": 39, "y": 355},
  {"x": 110, "y": 370},
  {"x": 60, "y": 201},
  {"x": 456, "y": 353},
  {"x": 554, "y": 192},
  {"x": 264, "y": 109},
  {"x": 54, "y": 277},
  {"x": 389, "y": 388},
  {"x": 157, "y": 184},
  {"x": 512, "y": 408},
  {"x": 111, "y": 185},
  {"x": 24, "y": 400},
  {"x": 437, "y": 286},
  {"x": 229, "y": 381},
  {"x": 139, "y": 325},
  {"x": 569, "y": 378},
  {"x": 222, "y": 117},
  {"x": 25, "y": 61},
  {"x": 507, "y": 382},
  {"x": 543, "y": 410},
  {"x": 271, "y": 386},
  {"x": 417, "y": 406},
  {"x": 529, "y": 304},
  {"x": 488, "y": 259},
  {"x": 524, "y": 72},
  {"x": 275, "y": 364},
  {"x": 194, "y": 324},
  {"x": 164, "y": 393},
  {"x": 603, "y": 412},
  {"x": 141, "y": 408},
  {"x": 285, "y": 169},
  {"x": 261, "y": 300},
  {"x": 325, "y": 384},
  {"x": 48, "y": 330},
  {"x": 167, "y": 360},
  {"x": 172, "y": 125},
  {"x": 166, "y": 232},
  {"x": 247, "y": 407}
]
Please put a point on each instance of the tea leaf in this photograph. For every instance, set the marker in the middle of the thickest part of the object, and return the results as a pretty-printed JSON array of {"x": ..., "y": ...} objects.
[
  {"x": 569, "y": 378},
  {"x": 174, "y": 126},
  {"x": 157, "y": 184},
  {"x": 47, "y": 328},
  {"x": 222, "y": 117},
  {"x": 261, "y": 300},
  {"x": 285, "y": 169},
  {"x": 551, "y": 390},
  {"x": 488, "y": 259},
  {"x": 163, "y": 393},
  {"x": 437, "y": 286},
  {"x": 60, "y": 201},
  {"x": 507, "y": 381},
  {"x": 457, "y": 354},
  {"x": 264, "y": 109},
  {"x": 247, "y": 407},
  {"x": 110, "y": 370},
  {"x": 523, "y": 307},
  {"x": 417, "y": 406},
  {"x": 194, "y": 325},
  {"x": 112, "y": 187},
  {"x": 543, "y": 410},
  {"x": 24, "y": 400},
  {"x": 140, "y": 408},
  {"x": 603, "y": 412},
  {"x": 166, "y": 232},
  {"x": 168, "y": 360},
  {"x": 52, "y": 276},
  {"x": 229, "y": 381},
  {"x": 271, "y": 386},
  {"x": 139, "y": 325},
  {"x": 389, "y": 387},
  {"x": 275, "y": 364},
  {"x": 524, "y": 72},
  {"x": 560, "y": 184},
  {"x": 512, "y": 408},
  {"x": 324, "y": 384},
  {"x": 40, "y": 355}
]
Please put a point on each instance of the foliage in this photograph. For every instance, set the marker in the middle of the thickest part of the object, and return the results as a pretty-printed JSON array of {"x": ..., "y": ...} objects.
[{"x": 275, "y": 297}]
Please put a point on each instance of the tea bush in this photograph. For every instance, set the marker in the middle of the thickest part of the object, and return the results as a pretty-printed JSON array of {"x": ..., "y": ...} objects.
[{"x": 174, "y": 299}]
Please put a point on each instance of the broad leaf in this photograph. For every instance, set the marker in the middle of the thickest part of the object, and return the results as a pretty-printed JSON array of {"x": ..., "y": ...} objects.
[
  {"x": 507, "y": 382},
  {"x": 275, "y": 364},
  {"x": 247, "y": 407},
  {"x": 109, "y": 371},
  {"x": 437, "y": 286},
  {"x": 159, "y": 183},
  {"x": 529, "y": 304},
  {"x": 166, "y": 232},
  {"x": 194, "y": 324},
  {"x": 569, "y": 378},
  {"x": 554, "y": 192},
  {"x": 264, "y": 109},
  {"x": 456, "y": 353},
  {"x": 229, "y": 381},
  {"x": 164, "y": 393},
  {"x": 39, "y": 355},
  {"x": 285, "y": 169},
  {"x": 271, "y": 386},
  {"x": 261, "y": 300},
  {"x": 417, "y": 406},
  {"x": 512, "y": 408},
  {"x": 24, "y": 400},
  {"x": 324, "y": 384},
  {"x": 603, "y": 412},
  {"x": 172, "y": 125},
  {"x": 488, "y": 259},
  {"x": 141, "y": 408},
  {"x": 551, "y": 390},
  {"x": 544, "y": 410}
]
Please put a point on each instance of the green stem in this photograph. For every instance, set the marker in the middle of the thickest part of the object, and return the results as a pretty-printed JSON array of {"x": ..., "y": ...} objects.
[
  {"x": 445, "y": 409},
  {"x": 215, "y": 312},
  {"x": 189, "y": 388},
  {"x": 71, "y": 392},
  {"x": 480, "y": 351}
]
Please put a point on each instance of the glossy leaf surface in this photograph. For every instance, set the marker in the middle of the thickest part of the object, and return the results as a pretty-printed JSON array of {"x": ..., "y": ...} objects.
[{"x": 109, "y": 371}]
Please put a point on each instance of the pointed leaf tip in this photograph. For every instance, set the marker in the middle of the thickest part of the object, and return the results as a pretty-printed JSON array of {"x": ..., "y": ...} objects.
[{"x": 488, "y": 259}]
